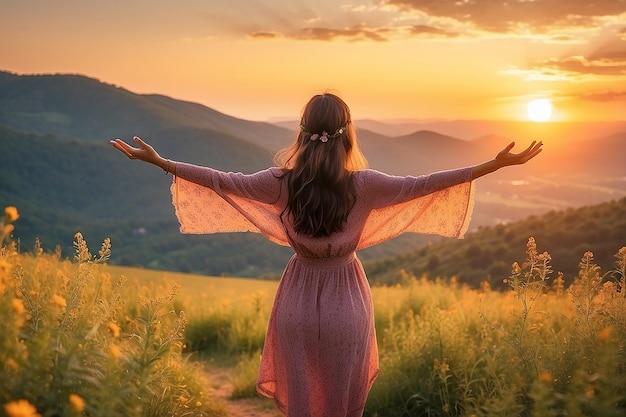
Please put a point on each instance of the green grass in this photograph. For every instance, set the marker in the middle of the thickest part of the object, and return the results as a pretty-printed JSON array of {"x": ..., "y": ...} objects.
[
  {"x": 199, "y": 287},
  {"x": 538, "y": 349},
  {"x": 78, "y": 341}
]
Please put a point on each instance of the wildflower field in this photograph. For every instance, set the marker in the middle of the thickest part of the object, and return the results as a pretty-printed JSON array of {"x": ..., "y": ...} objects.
[{"x": 80, "y": 337}]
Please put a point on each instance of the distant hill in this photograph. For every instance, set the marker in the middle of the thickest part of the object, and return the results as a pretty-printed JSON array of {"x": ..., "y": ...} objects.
[
  {"x": 472, "y": 129},
  {"x": 85, "y": 108},
  {"x": 57, "y": 167},
  {"x": 488, "y": 253}
]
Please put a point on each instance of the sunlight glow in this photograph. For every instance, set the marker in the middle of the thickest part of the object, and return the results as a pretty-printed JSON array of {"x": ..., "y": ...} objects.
[{"x": 539, "y": 110}]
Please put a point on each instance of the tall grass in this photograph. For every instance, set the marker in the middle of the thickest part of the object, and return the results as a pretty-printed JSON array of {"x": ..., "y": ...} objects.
[
  {"x": 449, "y": 350},
  {"x": 77, "y": 341},
  {"x": 536, "y": 350},
  {"x": 74, "y": 342}
]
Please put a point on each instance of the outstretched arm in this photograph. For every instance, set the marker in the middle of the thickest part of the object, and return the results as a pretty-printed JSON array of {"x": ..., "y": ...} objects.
[
  {"x": 506, "y": 158},
  {"x": 144, "y": 153}
]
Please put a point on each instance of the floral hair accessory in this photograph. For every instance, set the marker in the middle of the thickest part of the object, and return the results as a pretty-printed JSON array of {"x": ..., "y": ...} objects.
[{"x": 324, "y": 136}]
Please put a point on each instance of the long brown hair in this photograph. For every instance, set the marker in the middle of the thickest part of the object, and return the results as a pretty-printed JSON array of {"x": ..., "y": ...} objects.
[{"x": 319, "y": 174}]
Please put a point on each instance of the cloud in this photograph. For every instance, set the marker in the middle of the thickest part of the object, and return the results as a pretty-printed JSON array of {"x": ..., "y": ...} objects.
[
  {"x": 604, "y": 97},
  {"x": 513, "y": 16},
  {"x": 537, "y": 74},
  {"x": 583, "y": 65},
  {"x": 573, "y": 68},
  {"x": 359, "y": 32},
  {"x": 265, "y": 35},
  {"x": 362, "y": 32},
  {"x": 550, "y": 21},
  {"x": 605, "y": 63},
  {"x": 612, "y": 51},
  {"x": 358, "y": 21},
  {"x": 609, "y": 59},
  {"x": 431, "y": 31}
]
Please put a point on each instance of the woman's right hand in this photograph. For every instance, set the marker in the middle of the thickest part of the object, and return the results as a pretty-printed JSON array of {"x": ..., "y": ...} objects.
[{"x": 144, "y": 152}]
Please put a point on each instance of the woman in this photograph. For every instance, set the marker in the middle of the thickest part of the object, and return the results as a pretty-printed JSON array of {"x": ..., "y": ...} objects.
[{"x": 320, "y": 356}]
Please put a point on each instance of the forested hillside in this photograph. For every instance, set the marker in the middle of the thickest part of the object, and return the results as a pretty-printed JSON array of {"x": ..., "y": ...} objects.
[
  {"x": 488, "y": 253},
  {"x": 87, "y": 109},
  {"x": 62, "y": 186}
]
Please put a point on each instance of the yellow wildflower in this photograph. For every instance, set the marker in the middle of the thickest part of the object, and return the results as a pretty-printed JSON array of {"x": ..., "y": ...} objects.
[
  {"x": 546, "y": 376},
  {"x": 11, "y": 364},
  {"x": 114, "y": 329},
  {"x": 8, "y": 229},
  {"x": 105, "y": 250},
  {"x": 115, "y": 351},
  {"x": 604, "y": 334},
  {"x": 17, "y": 305},
  {"x": 77, "y": 402},
  {"x": 441, "y": 368},
  {"x": 58, "y": 300},
  {"x": 11, "y": 214},
  {"x": 21, "y": 408},
  {"x": 198, "y": 404},
  {"x": 5, "y": 266}
]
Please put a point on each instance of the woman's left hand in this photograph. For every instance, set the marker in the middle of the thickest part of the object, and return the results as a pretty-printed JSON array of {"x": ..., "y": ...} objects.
[{"x": 505, "y": 157}]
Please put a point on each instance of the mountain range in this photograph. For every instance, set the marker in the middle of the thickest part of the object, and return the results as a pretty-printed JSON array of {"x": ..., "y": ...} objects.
[{"x": 57, "y": 167}]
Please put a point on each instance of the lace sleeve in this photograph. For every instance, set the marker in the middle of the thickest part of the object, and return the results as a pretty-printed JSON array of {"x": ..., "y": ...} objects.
[
  {"x": 212, "y": 201},
  {"x": 439, "y": 203}
]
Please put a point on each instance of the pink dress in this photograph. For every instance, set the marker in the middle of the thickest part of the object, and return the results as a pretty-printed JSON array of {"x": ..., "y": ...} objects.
[{"x": 320, "y": 356}]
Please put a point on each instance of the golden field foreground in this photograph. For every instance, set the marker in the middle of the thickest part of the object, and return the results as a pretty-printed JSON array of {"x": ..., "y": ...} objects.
[{"x": 80, "y": 337}]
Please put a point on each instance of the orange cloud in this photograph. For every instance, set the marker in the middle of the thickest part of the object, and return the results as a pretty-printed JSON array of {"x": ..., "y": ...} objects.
[
  {"x": 265, "y": 35},
  {"x": 606, "y": 96},
  {"x": 582, "y": 65},
  {"x": 609, "y": 60},
  {"x": 431, "y": 31},
  {"x": 561, "y": 22},
  {"x": 510, "y": 16},
  {"x": 360, "y": 32}
]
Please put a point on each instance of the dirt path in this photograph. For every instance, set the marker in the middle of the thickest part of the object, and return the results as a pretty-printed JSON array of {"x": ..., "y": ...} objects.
[{"x": 220, "y": 388}]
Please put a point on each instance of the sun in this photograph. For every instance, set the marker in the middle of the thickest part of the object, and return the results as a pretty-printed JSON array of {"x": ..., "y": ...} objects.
[{"x": 539, "y": 110}]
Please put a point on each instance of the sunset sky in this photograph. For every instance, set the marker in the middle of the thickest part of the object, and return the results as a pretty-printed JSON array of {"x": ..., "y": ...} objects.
[{"x": 389, "y": 59}]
